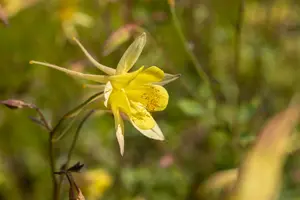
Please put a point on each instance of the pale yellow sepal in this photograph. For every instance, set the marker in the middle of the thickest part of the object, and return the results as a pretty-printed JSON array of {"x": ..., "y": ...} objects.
[
  {"x": 120, "y": 138},
  {"x": 131, "y": 54},
  {"x": 107, "y": 91},
  {"x": 153, "y": 133},
  {"x": 167, "y": 79},
  {"x": 119, "y": 125}
]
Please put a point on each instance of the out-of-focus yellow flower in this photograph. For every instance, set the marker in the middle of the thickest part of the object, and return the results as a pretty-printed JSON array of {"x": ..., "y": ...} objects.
[
  {"x": 93, "y": 182},
  {"x": 70, "y": 17},
  {"x": 135, "y": 94},
  {"x": 12, "y": 7}
]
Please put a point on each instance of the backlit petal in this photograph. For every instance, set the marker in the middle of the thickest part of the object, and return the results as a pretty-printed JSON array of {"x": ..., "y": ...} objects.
[
  {"x": 149, "y": 75},
  {"x": 154, "y": 133},
  {"x": 119, "y": 125},
  {"x": 120, "y": 138},
  {"x": 152, "y": 97},
  {"x": 168, "y": 78},
  {"x": 131, "y": 54},
  {"x": 90, "y": 77},
  {"x": 107, "y": 92},
  {"x": 140, "y": 117}
]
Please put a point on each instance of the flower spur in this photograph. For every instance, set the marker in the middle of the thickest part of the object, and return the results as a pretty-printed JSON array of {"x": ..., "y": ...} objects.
[{"x": 135, "y": 94}]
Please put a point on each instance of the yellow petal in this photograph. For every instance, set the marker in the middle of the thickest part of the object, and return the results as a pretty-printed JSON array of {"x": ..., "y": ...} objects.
[
  {"x": 153, "y": 133},
  {"x": 119, "y": 99},
  {"x": 149, "y": 75},
  {"x": 119, "y": 125},
  {"x": 152, "y": 97},
  {"x": 131, "y": 54},
  {"x": 122, "y": 80},
  {"x": 91, "y": 77},
  {"x": 140, "y": 117}
]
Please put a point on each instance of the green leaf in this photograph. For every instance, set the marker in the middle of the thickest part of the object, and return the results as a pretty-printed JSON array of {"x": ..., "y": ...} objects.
[{"x": 191, "y": 107}]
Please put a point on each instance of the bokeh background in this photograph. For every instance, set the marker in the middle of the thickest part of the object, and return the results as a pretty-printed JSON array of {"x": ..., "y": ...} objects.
[{"x": 250, "y": 51}]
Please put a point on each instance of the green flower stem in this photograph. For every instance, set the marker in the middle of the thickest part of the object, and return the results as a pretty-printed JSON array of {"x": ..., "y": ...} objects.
[
  {"x": 71, "y": 150},
  {"x": 188, "y": 51},
  {"x": 238, "y": 37},
  {"x": 52, "y": 166},
  {"x": 235, "y": 71},
  {"x": 50, "y": 151},
  {"x": 185, "y": 84}
]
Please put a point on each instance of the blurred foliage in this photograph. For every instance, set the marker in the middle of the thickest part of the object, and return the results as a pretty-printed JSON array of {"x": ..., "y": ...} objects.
[{"x": 208, "y": 132}]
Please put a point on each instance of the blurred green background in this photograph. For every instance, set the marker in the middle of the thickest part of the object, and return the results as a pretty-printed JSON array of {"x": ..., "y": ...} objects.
[{"x": 254, "y": 74}]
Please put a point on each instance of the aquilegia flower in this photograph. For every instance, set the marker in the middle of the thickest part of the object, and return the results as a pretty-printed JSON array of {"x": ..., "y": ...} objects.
[{"x": 135, "y": 94}]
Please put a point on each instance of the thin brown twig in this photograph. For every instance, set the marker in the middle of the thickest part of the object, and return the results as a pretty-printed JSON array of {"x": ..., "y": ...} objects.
[
  {"x": 43, "y": 118},
  {"x": 50, "y": 150}
]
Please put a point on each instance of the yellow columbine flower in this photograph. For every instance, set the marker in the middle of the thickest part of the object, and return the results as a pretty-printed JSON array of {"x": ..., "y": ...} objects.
[{"x": 135, "y": 94}]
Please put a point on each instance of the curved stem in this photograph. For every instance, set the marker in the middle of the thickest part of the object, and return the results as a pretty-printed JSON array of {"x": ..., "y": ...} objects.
[
  {"x": 169, "y": 66},
  {"x": 238, "y": 37},
  {"x": 52, "y": 166},
  {"x": 71, "y": 150},
  {"x": 236, "y": 66},
  {"x": 187, "y": 49}
]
